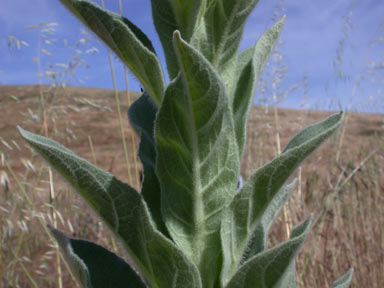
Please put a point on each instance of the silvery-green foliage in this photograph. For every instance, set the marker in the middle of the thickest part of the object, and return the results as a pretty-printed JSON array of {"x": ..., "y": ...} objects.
[{"x": 191, "y": 225}]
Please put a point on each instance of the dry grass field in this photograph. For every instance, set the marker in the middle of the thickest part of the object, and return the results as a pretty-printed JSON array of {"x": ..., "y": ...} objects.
[{"x": 342, "y": 183}]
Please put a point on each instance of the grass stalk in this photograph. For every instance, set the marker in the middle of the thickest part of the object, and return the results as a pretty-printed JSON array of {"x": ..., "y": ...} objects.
[
  {"x": 41, "y": 221},
  {"x": 41, "y": 92},
  {"x": 53, "y": 213},
  {"x": 133, "y": 145},
  {"x": 117, "y": 101},
  {"x": 92, "y": 150},
  {"x": 29, "y": 276},
  {"x": 320, "y": 219},
  {"x": 133, "y": 142},
  {"x": 341, "y": 137},
  {"x": 286, "y": 218}
]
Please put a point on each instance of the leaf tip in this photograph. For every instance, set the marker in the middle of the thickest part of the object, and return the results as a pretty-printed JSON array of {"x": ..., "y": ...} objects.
[
  {"x": 279, "y": 25},
  {"x": 308, "y": 223},
  {"x": 59, "y": 236},
  {"x": 339, "y": 116},
  {"x": 22, "y": 132},
  {"x": 302, "y": 229},
  {"x": 293, "y": 183},
  {"x": 25, "y": 134},
  {"x": 20, "y": 129},
  {"x": 345, "y": 280},
  {"x": 176, "y": 37},
  {"x": 176, "y": 33}
]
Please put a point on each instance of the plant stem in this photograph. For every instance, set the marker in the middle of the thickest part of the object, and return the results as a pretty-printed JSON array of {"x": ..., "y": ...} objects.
[{"x": 92, "y": 150}]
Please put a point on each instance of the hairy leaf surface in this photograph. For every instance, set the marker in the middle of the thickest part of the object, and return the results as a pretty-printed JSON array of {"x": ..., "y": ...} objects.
[
  {"x": 289, "y": 278},
  {"x": 345, "y": 280},
  {"x": 129, "y": 43},
  {"x": 197, "y": 160},
  {"x": 269, "y": 268},
  {"x": 247, "y": 207},
  {"x": 125, "y": 212},
  {"x": 142, "y": 115},
  {"x": 250, "y": 64},
  {"x": 94, "y": 266},
  {"x": 258, "y": 240},
  {"x": 224, "y": 24},
  {"x": 169, "y": 16}
]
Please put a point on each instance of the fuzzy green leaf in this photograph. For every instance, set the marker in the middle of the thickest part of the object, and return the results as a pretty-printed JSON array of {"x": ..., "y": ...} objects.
[
  {"x": 94, "y": 266},
  {"x": 248, "y": 206},
  {"x": 269, "y": 268},
  {"x": 125, "y": 212},
  {"x": 197, "y": 163},
  {"x": 169, "y": 16},
  {"x": 224, "y": 22},
  {"x": 345, "y": 280},
  {"x": 250, "y": 64},
  {"x": 258, "y": 241},
  {"x": 129, "y": 43},
  {"x": 314, "y": 130},
  {"x": 289, "y": 279},
  {"x": 142, "y": 115}
]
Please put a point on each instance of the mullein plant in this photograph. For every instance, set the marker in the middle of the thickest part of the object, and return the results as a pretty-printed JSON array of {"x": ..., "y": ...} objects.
[{"x": 190, "y": 225}]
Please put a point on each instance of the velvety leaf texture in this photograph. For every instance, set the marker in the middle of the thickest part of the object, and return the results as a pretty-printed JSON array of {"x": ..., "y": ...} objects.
[
  {"x": 345, "y": 280},
  {"x": 267, "y": 269},
  {"x": 312, "y": 131},
  {"x": 289, "y": 278},
  {"x": 224, "y": 23},
  {"x": 248, "y": 206},
  {"x": 129, "y": 43},
  {"x": 95, "y": 266},
  {"x": 195, "y": 223},
  {"x": 169, "y": 16},
  {"x": 125, "y": 212},
  {"x": 250, "y": 64},
  {"x": 75, "y": 263},
  {"x": 197, "y": 160},
  {"x": 258, "y": 241},
  {"x": 142, "y": 115}
]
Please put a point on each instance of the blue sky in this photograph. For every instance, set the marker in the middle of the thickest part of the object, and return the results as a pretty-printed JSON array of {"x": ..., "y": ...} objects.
[{"x": 309, "y": 46}]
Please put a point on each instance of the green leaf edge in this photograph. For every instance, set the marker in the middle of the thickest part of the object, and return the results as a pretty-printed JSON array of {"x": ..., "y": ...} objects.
[
  {"x": 81, "y": 270},
  {"x": 345, "y": 280},
  {"x": 297, "y": 238},
  {"x": 154, "y": 85},
  {"x": 179, "y": 255},
  {"x": 310, "y": 144},
  {"x": 249, "y": 66}
]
